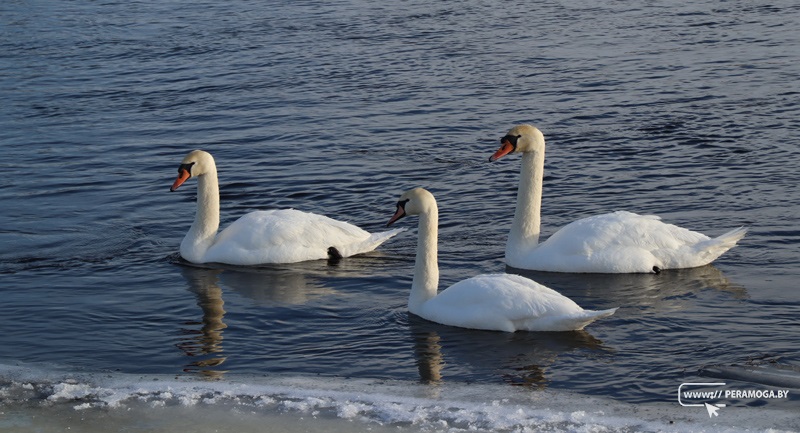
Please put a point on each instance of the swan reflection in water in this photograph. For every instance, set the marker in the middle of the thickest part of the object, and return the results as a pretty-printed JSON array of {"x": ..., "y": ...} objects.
[
  {"x": 668, "y": 291},
  {"x": 269, "y": 285},
  {"x": 286, "y": 284},
  {"x": 264, "y": 286},
  {"x": 205, "y": 344},
  {"x": 275, "y": 287},
  {"x": 518, "y": 358}
]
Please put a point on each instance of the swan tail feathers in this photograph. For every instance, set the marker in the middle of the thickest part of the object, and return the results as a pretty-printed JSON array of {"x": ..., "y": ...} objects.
[
  {"x": 600, "y": 314},
  {"x": 733, "y": 236},
  {"x": 711, "y": 249},
  {"x": 370, "y": 243},
  {"x": 592, "y": 315}
]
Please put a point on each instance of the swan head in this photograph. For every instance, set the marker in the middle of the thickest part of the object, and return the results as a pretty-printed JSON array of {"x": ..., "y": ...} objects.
[
  {"x": 196, "y": 163},
  {"x": 521, "y": 138},
  {"x": 413, "y": 202}
]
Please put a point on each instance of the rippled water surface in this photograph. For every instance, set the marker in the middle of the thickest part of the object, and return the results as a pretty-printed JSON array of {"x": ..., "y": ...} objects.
[{"x": 685, "y": 111}]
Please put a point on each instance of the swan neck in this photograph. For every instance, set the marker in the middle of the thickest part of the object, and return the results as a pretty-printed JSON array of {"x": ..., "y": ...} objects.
[
  {"x": 426, "y": 267},
  {"x": 527, "y": 216},
  {"x": 206, "y": 221}
]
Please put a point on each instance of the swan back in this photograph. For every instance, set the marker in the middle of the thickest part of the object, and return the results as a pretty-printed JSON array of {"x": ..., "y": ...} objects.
[
  {"x": 623, "y": 242},
  {"x": 289, "y": 236},
  {"x": 507, "y": 302}
]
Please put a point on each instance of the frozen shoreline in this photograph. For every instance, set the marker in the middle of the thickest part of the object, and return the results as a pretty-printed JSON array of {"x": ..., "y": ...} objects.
[{"x": 52, "y": 400}]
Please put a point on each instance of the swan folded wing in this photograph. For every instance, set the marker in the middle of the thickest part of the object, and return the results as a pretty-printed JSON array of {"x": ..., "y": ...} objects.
[
  {"x": 500, "y": 302},
  {"x": 282, "y": 236},
  {"x": 618, "y": 242},
  {"x": 671, "y": 246}
]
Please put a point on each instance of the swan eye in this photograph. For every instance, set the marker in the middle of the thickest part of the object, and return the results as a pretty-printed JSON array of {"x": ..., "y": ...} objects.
[
  {"x": 402, "y": 203},
  {"x": 511, "y": 139},
  {"x": 187, "y": 167}
]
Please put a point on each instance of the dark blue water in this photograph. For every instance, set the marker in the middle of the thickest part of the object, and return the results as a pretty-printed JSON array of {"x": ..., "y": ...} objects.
[{"x": 691, "y": 112}]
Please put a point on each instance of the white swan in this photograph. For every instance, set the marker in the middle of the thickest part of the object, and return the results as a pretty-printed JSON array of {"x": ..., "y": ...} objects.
[
  {"x": 497, "y": 302},
  {"x": 619, "y": 242},
  {"x": 273, "y": 236}
]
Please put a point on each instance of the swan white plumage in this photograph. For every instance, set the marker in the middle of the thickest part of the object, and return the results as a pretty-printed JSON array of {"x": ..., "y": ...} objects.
[
  {"x": 260, "y": 237},
  {"x": 618, "y": 242},
  {"x": 497, "y": 302}
]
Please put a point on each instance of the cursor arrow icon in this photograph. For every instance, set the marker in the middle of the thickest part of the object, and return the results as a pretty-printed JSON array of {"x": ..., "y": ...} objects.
[{"x": 712, "y": 410}]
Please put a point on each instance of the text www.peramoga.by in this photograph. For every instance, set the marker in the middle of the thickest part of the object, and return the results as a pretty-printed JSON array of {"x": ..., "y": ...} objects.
[{"x": 737, "y": 394}]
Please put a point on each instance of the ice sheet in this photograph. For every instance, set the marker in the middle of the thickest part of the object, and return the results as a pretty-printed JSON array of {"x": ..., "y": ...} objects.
[{"x": 36, "y": 399}]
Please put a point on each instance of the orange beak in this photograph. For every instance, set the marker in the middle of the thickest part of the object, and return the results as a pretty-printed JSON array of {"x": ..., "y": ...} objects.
[
  {"x": 401, "y": 212},
  {"x": 505, "y": 148},
  {"x": 183, "y": 174}
]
